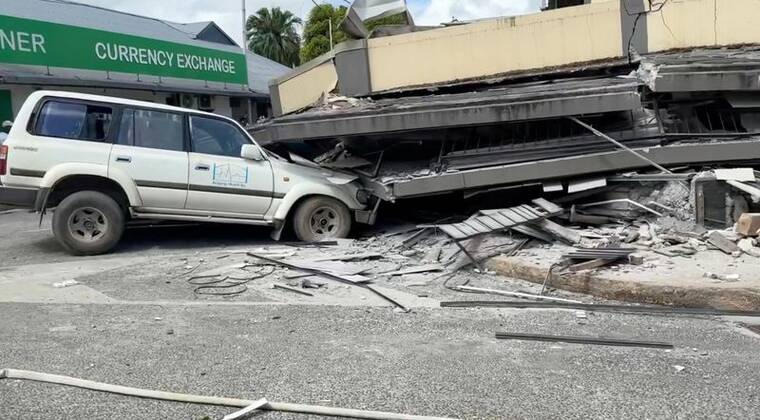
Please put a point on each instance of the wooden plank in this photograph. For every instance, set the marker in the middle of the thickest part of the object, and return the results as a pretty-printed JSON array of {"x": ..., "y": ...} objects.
[
  {"x": 490, "y": 222},
  {"x": 503, "y": 220},
  {"x": 453, "y": 231},
  {"x": 478, "y": 227},
  {"x": 466, "y": 229},
  {"x": 559, "y": 231},
  {"x": 590, "y": 265},
  {"x": 548, "y": 206},
  {"x": 535, "y": 233},
  {"x": 722, "y": 243},
  {"x": 514, "y": 216},
  {"x": 525, "y": 213},
  {"x": 532, "y": 211}
]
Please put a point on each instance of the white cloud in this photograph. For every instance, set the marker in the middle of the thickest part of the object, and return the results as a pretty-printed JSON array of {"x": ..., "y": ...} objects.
[
  {"x": 227, "y": 13},
  {"x": 440, "y": 11}
]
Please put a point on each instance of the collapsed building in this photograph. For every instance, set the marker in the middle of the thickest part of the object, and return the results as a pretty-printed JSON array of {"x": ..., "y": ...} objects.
[{"x": 599, "y": 88}]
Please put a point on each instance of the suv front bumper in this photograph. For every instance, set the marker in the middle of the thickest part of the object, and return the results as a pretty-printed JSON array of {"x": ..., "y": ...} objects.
[{"x": 18, "y": 197}]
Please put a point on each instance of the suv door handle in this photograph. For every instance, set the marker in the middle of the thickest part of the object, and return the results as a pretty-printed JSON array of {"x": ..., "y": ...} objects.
[
  {"x": 124, "y": 159},
  {"x": 202, "y": 167}
]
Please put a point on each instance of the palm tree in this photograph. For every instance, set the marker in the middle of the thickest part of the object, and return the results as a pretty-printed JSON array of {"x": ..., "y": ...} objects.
[{"x": 272, "y": 33}]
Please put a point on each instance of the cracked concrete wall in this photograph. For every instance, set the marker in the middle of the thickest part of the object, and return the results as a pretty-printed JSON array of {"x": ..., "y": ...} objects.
[
  {"x": 700, "y": 23},
  {"x": 497, "y": 46},
  {"x": 601, "y": 30},
  {"x": 303, "y": 87}
]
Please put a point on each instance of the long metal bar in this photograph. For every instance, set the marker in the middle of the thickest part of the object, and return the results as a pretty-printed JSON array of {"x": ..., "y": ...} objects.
[
  {"x": 515, "y": 294},
  {"x": 329, "y": 276},
  {"x": 622, "y": 200},
  {"x": 652, "y": 310},
  {"x": 620, "y": 145},
  {"x": 584, "y": 340}
]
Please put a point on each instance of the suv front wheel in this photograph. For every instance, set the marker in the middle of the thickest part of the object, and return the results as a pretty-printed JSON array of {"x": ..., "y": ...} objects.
[
  {"x": 320, "y": 218},
  {"x": 88, "y": 223}
]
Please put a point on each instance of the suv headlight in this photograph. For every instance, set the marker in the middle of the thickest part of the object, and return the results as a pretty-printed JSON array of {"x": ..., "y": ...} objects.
[{"x": 363, "y": 196}]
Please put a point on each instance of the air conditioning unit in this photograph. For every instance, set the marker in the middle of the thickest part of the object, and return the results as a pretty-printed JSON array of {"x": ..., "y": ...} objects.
[
  {"x": 187, "y": 101},
  {"x": 204, "y": 103}
]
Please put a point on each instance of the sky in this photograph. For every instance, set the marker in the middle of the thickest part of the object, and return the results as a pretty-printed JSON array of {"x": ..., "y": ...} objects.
[{"x": 227, "y": 13}]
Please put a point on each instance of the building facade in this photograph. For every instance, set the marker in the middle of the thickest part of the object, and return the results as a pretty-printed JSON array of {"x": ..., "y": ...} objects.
[{"x": 62, "y": 45}]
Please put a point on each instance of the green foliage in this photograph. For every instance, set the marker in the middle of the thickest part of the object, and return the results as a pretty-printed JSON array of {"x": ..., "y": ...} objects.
[
  {"x": 273, "y": 33},
  {"x": 317, "y": 30},
  {"x": 399, "y": 19}
]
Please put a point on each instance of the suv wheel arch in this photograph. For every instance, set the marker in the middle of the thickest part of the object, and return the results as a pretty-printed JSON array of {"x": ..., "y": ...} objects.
[{"x": 68, "y": 185}]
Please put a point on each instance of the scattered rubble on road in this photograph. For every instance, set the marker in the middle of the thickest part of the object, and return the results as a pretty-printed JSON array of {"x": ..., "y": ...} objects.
[{"x": 653, "y": 226}]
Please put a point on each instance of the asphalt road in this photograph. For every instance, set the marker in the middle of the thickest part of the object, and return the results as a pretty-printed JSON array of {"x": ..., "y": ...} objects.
[
  {"x": 441, "y": 362},
  {"x": 433, "y": 362}
]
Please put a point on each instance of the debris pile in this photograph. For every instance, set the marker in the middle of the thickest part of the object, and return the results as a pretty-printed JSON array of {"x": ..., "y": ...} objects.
[{"x": 631, "y": 223}]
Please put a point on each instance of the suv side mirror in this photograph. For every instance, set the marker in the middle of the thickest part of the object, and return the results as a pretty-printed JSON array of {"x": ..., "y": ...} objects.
[
  {"x": 7, "y": 124},
  {"x": 251, "y": 152}
]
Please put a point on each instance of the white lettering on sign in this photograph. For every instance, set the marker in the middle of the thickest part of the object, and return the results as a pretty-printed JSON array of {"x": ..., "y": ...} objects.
[
  {"x": 22, "y": 41},
  {"x": 147, "y": 56}
]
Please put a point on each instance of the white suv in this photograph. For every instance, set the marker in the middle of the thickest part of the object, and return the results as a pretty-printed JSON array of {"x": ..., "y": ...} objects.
[{"x": 101, "y": 161}]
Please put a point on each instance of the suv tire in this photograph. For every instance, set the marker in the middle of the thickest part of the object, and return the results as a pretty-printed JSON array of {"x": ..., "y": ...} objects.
[
  {"x": 88, "y": 223},
  {"x": 320, "y": 218}
]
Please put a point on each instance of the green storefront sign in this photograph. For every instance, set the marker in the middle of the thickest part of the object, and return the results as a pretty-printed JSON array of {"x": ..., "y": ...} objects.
[{"x": 33, "y": 42}]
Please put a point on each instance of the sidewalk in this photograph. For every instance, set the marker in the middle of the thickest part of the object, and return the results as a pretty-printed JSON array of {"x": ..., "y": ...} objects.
[{"x": 661, "y": 280}]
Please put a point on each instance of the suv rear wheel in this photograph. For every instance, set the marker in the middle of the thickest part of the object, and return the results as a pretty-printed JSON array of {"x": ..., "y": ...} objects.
[
  {"x": 320, "y": 218},
  {"x": 88, "y": 223}
]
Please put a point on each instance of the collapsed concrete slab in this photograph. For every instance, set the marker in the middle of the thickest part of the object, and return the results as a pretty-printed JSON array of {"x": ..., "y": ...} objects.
[{"x": 601, "y": 33}]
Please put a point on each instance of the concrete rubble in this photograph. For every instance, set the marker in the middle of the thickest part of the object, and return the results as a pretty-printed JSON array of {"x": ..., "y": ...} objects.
[{"x": 407, "y": 265}]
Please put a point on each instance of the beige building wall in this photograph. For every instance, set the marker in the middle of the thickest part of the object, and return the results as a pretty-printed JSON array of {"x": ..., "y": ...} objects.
[
  {"x": 488, "y": 48},
  {"x": 303, "y": 88},
  {"x": 563, "y": 37},
  {"x": 695, "y": 23}
]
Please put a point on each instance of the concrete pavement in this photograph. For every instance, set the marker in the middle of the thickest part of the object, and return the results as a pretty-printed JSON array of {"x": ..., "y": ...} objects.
[
  {"x": 433, "y": 362},
  {"x": 134, "y": 320}
]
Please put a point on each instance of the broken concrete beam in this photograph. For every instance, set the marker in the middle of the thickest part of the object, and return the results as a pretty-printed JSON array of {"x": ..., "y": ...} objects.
[
  {"x": 631, "y": 237},
  {"x": 749, "y": 224},
  {"x": 636, "y": 259},
  {"x": 748, "y": 246},
  {"x": 674, "y": 239},
  {"x": 720, "y": 241},
  {"x": 575, "y": 217},
  {"x": 568, "y": 235},
  {"x": 590, "y": 265},
  {"x": 433, "y": 254}
]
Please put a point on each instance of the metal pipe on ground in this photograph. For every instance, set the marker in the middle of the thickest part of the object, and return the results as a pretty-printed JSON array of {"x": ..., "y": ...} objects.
[
  {"x": 516, "y": 294},
  {"x": 206, "y": 400},
  {"x": 600, "y": 341},
  {"x": 647, "y": 310}
]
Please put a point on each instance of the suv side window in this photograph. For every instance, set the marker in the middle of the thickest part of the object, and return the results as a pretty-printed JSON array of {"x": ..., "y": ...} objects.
[
  {"x": 151, "y": 129},
  {"x": 216, "y": 137},
  {"x": 72, "y": 120}
]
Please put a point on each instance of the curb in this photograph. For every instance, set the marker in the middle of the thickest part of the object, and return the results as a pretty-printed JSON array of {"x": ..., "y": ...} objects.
[{"x": 596, "y": 284}]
